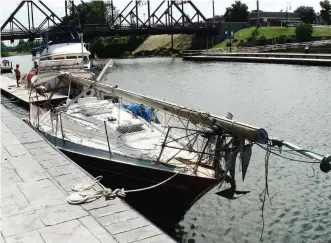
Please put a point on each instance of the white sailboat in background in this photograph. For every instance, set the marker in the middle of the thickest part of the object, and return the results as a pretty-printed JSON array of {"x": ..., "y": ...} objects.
[{"x": 57, "y": 55}]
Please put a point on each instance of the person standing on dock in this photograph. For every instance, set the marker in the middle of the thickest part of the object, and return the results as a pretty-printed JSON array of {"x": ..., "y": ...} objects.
[{"x": 17, "y": 74}]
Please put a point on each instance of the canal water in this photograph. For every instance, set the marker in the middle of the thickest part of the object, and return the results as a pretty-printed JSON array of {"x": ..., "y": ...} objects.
[{"x": 290, "y": 102}]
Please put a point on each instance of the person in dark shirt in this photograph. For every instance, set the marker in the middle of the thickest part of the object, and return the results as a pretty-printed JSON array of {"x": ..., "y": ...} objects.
[{"x": 17, "y": 74}]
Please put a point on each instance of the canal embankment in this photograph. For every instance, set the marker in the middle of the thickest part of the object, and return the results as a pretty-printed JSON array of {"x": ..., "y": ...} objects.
[{"x": 277, "y": 58}]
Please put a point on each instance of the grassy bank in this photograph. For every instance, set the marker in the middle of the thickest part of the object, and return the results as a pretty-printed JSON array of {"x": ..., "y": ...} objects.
[
  {"x": 13, "y": 53},
  {"x": 269, "y": 32}
]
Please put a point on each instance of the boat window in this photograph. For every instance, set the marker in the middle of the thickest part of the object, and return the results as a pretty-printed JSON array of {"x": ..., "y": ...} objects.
[
  {"x": 58, "y": 58},
  {"x": 71, "y": 57},
  {"x": 45, "y": 58},
  {"x": 85, "y": 58}
]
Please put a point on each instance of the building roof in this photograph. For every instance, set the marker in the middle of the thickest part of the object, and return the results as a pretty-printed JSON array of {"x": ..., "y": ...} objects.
[
  {"x": 217, "y": 19},
  {"x": 274, "y": 15}
]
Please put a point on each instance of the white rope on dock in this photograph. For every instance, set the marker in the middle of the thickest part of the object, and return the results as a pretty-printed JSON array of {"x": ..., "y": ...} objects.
[{"x": 81, "y": 194}]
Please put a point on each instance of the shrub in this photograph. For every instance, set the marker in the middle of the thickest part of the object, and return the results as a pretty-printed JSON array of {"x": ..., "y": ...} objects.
[
  {"x": 289, "y": 39},
  {"x": 262, "y": 40},
  {"x": 281, "y": 39},
  {"x": 255, "y": 33},
  {"x": 303, "y": 32}
]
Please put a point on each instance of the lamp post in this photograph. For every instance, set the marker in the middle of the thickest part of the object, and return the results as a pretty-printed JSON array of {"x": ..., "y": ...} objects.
[
  {"x": 214, "y": 13},
  {"x": 229, "y": 35},
  {"x": 257, "y": 13}
]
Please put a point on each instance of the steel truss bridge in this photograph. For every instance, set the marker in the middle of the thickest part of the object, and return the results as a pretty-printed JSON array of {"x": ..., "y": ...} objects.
[{"x": 124, "y": 23}]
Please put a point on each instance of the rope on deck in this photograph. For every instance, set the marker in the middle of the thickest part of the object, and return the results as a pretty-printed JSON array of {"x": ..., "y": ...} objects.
[{"x": 82, "y": 195}]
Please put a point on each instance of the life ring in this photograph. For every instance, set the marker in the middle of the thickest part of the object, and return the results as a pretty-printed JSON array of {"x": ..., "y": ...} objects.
[{"x": 4, "y": 62}]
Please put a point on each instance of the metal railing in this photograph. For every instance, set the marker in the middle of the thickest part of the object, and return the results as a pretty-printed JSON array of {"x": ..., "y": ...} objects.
[
  {"x": 206, "y": 52},
  {"x": 283, "y": 46}
]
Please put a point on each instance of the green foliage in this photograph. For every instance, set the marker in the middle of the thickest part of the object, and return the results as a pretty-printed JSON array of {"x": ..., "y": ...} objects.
[
  {"x": 238, "y": 12},
  {"x": 244, "y": 35},
  {"x": 281, "y": 39},
  {"x": 303, "y": 32},
  {"x": 115, "y": 46},
  {"x": 262, "y": 40},
  {"x": 326, "y": 11},
  {"x": 4, "y": 50},
  {"x": 22, "y": 47},
  {"x": 255, "y": 33},
  {"x": 307, "y": 14},
  {"x": 95, "y": 12},
  {"x": 289, "y": 39}
]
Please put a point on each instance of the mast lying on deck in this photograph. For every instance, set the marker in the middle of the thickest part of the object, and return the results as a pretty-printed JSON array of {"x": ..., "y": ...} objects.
[{"x": 237, "y": 129}]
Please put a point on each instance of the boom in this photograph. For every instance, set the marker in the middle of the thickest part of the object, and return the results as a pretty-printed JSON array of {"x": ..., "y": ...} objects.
[{"x": 238, "y": 129}]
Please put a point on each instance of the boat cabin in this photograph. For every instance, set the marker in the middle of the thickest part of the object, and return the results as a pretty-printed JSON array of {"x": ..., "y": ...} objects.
[{"x": 62, "y": 51}]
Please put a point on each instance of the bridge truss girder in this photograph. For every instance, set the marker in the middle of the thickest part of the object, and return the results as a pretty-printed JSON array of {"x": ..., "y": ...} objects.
[
  {"x": 31, "y": 29},
  {"x": 174, "y": 19},
  {"x": 164, "y": 18}
]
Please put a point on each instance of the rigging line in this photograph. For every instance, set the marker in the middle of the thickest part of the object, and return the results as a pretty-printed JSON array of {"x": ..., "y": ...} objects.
[
  {"x": 312, "y": 166},
  {"x": 294, "y": 150},
  {"x": 296, "y": 154},
  {"x": 296, "y": 160},
  {"x": 265, "y": 191},
  {"x": 185, "y": 126}
]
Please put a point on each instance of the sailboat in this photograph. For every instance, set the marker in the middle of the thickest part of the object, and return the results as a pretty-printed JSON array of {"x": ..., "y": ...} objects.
[{"x": 135, "y": 141}]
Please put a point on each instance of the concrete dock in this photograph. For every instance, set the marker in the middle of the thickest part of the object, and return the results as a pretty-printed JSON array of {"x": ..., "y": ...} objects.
[
  {"x": 36, "y": 179},
  {"x": 9, "y": 88}
]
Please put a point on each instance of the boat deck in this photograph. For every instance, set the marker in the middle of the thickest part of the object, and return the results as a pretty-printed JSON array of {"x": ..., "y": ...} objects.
[
  {"x": 36, "y": 179},
  {"x": 8, "y": 85}
]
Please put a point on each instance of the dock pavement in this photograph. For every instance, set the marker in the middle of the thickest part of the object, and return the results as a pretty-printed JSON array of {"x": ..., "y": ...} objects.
[{"x": 36, "y": 180}]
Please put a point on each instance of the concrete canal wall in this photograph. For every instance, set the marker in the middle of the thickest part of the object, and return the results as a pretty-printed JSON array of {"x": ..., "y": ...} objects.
[{"x": 278, "y": 58}]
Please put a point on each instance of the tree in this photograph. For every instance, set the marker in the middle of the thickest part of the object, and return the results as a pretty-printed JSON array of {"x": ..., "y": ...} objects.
[
  {"x": 238, "y": 12},
  {"x": 307, "y": 14},
  {"x": 95, "y": 12},
  {"x": 326, "y": 11},
  {"x": 304, "y": 32}
]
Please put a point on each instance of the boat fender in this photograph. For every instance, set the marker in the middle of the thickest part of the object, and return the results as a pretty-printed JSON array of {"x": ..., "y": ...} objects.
[{"x": 325, "y": 165}]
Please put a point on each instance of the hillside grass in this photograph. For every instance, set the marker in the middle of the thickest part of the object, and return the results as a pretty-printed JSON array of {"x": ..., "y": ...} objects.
[{"x": 269, "y": 32}]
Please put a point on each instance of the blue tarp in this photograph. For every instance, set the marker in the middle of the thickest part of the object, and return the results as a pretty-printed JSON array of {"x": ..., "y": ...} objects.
[{"x": 140, "y": 110}]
